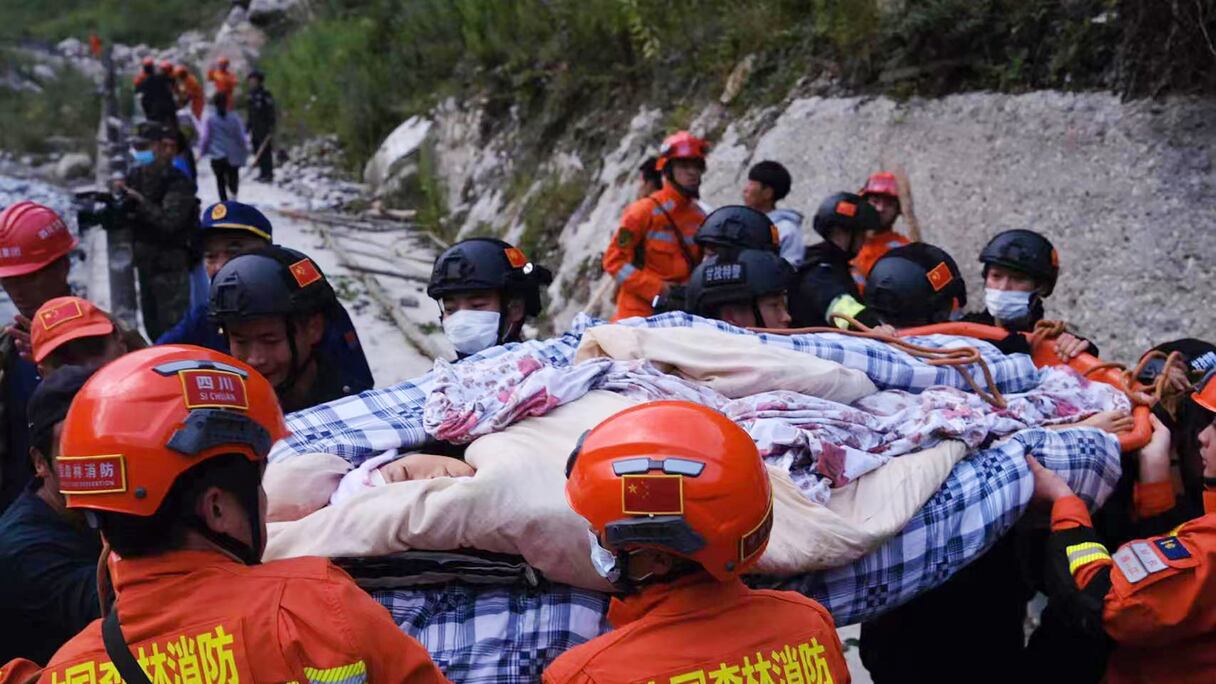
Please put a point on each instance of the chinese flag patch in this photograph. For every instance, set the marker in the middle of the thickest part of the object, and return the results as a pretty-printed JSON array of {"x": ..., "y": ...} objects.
[
  {"x": 91, "y": 474},
  {"x": 305, "y": 272},
  {"x": 846, "y": 208},
  {"x": 940, "y": 276},
  {"x": 652, "y": 494},
  {"x": 61, "y": 313},
  {"x": 213, "y": 389},
  {"x": 775, "y": 235},
  {"x": 516, "y": 257}
]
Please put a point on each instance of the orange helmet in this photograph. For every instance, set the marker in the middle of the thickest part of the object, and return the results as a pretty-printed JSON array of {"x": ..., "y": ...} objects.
[
  {"x": 147, "y": 417},
  {"x": 63, "y": 319},
  {"x": 681, "y": 145},
  {"x": 180, "y": 71},
  {"x": 148, "y": 61},
  {"x": 674, "y": 476},
  {"x": 222, "y": 62},
  {"x": 881, "y": 183},
  {"x": 1206, "y": 396},
  {"x": 166, "y": 67},
  {"x": 32, "y": 236}
]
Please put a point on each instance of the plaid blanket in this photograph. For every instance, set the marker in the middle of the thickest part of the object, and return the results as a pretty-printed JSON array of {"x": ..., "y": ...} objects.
[
  {"x": 360, "y": 426},
  {"x": 508, "y": 634}
]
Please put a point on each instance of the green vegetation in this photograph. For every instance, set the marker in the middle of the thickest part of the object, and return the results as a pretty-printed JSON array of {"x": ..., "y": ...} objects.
[
  {"x": 155, "y": 22},
  {"x": 63, "y": 108},
  {"x": 546, "y": 212},
  {"x": 367, "y": 64}
]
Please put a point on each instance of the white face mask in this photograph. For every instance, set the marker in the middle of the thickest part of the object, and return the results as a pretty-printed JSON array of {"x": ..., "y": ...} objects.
[
  {"x": 603, "y": 560},
  {"x": 472, "y": 331},
  {"x": 1007, "y": 305}
]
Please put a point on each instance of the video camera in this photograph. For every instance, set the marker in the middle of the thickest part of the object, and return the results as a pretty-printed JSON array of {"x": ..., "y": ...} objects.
[{"x": 109, "y": 210}]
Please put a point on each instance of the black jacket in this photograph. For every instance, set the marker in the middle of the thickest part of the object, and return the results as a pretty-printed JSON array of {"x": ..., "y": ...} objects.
[
  {"x": 823, "y": 276},
  {"x": 261, "y": 118}
]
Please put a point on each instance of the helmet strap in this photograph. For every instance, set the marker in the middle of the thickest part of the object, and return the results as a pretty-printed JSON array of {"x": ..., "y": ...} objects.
[
  {"x": 670, "y": 175},
  {"x": 296, "y": 369},
  {"x": 249, "y": 554},
  {"x": 760, "y": 322}
]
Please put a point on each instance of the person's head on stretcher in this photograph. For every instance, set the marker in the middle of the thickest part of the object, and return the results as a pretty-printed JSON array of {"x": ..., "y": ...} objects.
[
  {"x": 485, "y": 289},
  {"x": 670, "y": 489}
]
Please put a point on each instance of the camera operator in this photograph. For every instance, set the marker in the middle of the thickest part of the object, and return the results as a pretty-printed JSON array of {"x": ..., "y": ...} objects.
[{"x": 161, "y": 208}]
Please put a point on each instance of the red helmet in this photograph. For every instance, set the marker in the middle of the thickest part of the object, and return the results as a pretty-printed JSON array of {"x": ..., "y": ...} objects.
[
  {"x": 674, "y": 476},
  {"x": 222, "y": 62},
  {"x": 881, "y": 183},
  {"x": 147, "y": 417},
  {"x": 166, "y": 67},
  {"x": 64, "y": 319},
  {"x": 180, "y": 71},
  {"x": 681, "y": 145},
  {"x": 32, "y": 237},
  {"x": 148, "y": 61}
]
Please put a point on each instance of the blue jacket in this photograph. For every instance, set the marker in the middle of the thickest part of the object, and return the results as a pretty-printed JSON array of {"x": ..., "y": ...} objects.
[{"x": 340, "y": 343}]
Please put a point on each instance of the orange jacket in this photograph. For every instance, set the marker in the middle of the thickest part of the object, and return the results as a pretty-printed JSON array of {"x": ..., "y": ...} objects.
[
  {"x": 1160, "y": 607},
  {"x": 200, "y": 616},
  {"x": 193, "y": 91},
  {"x": 701, "y": 630},
  {"x": 225, "y": 82},
  {"x": 645, "y": 255},
  {"x": 875, "y": 246},
  {"x": 19, "y": 671}
]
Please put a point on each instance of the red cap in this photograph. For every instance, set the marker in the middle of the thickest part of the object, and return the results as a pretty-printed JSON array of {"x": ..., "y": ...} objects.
[
  {"x": 32, "y": 237},
  {"x": 881, "y": 183},
  {"x": 64, "y": 319}
]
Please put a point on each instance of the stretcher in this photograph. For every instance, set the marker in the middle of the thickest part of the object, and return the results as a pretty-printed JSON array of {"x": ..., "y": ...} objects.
[{"x": 1043, "y": 353}]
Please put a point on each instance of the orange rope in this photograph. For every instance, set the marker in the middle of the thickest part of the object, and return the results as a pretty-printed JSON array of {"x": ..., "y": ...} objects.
[{"x": 958, "y": 358}]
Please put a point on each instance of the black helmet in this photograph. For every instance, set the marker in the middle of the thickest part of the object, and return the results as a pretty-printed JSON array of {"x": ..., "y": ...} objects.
[
  {"x": 275, "y": 281},
  {"x": 845, "y": 210},
  {"x": 752, "y": 274},
  {"x": 732, "y": 228},
  {"x": 917, "y": 284},
  {"x": 488, "y": 264},
  {"x": 1025, "y": 251}
]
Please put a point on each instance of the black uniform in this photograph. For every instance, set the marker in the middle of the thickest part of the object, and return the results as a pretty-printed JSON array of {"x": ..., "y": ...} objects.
[
  {"x": 261, "y": 123},
  {"x": 156, "y": 98},
  {"x": 823, "y": 277}
]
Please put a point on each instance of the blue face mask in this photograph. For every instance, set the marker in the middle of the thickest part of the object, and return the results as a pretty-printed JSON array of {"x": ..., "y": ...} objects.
[{"x": 142, "y": 157}]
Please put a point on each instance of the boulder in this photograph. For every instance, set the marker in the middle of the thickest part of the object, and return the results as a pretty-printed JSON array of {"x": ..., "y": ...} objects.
[
  {"x": 396, "y": 159},
  {"x": 269, "y": 12},
  {"x": 73, "y": 165}
]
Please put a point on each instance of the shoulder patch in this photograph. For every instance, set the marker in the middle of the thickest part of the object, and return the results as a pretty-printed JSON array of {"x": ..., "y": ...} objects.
[
  {"x": 1131, "y": 567},
  {"x": 1172, "y": 549},
  {"x": 623, "y": 238}
]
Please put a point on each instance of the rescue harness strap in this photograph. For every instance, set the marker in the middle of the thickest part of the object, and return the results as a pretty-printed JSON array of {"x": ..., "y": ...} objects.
[{"x": 119, "y": 651}]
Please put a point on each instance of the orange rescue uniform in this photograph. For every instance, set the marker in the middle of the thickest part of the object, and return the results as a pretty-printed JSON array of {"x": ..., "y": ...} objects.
[
  {"x": 199, "y": 616},
  {"x": 700, "y": 630},
  {"x": 1159, "y": 604},
  {"x": 19, "y": 671},
  {"x": 225, "y": 82},
  {"x": 193, "y": 90},
  {"x": 872, "y": 250},
  {"x": 646, "y": 251}
]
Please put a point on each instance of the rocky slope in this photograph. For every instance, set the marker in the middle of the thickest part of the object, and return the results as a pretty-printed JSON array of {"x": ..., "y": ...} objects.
[{"x": 1124, "y": 189}]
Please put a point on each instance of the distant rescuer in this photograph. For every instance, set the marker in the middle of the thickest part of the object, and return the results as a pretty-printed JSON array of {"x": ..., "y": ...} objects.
[
  {"x": 824, "y": 285},
  {"x": 679, "y": 506},
  {"x": 486, "y": 289},
  {"x": 653, "y": 249},
  {"x": 167, "y": 447},
  {"x": 882, "y": 192}
]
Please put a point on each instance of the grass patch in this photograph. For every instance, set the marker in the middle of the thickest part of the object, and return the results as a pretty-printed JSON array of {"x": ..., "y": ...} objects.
[
  {"x": 546, "y": 212},
  {"x": 155, "y": 22},
  {"x": 426, "y": 194},
  {"x": 64, "y": 107}
]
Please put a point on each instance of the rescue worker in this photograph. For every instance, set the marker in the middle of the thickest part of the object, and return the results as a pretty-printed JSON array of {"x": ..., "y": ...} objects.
[
  {"x": 260, "y": 122},
  {"x": 48, "y": 555},
  {"x": 650, "y": 180},
  {"x": 882, "y": 192},
  {"x": 824, "y": 285},
  {"x": 914, "y": 285},
  {"x": 680, "y": 507},
  {"x": 731, "y": 229},
  {"x": 768, "y": 182},
  {"x": 1154, "y": 598},
  {"x": 163, "y": 218},
  {"x": 274, "y": 307},
  {"x": 228, "y": 229},
  {"x": 749, "y": 291},
  {"x": 166, "y": 67},
  {"x": 147, "y": 65},
  {"x": 653, "y": 248},
  {"x": 190, "y": 91},
  {"x": 486, "y": 289},
  {"x": 35, "y": 244},
  {"x": 155, "y": 91},
  {"x": 1020, "y": 271},
  {"x": 224, "y": 81},
  {"x": 171, "y": 442},
  {"x": 70, "y": 331}
]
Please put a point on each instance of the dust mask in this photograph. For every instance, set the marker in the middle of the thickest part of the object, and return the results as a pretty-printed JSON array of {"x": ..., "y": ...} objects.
[
  {"x": 472, "y": 331},
  {"x": 604, "y": 561},
  {"x": 1007, "y": 305},
  {"x": 142, "y": 157}
]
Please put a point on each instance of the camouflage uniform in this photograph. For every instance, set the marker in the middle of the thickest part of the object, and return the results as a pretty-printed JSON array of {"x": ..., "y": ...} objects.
[{"x": 163, "y": 227}]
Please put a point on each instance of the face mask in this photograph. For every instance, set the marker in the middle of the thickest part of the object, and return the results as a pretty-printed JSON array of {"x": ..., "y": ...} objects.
[
  {"x": 142, "y": 157},
  {"x": 1007, "y": 305},
  {"x": 603, "y": 560},
  {"x": 472, "y": 331}
]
